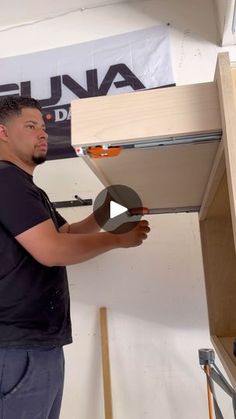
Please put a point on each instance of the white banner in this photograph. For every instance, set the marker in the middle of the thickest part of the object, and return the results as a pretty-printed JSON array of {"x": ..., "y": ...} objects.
[{"x": 114, "y": 65}]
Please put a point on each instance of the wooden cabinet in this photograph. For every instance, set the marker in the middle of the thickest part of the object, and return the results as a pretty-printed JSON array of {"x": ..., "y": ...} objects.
[
  {"x": 176, "y": 147},
  {"x": 218, "y": 226}
]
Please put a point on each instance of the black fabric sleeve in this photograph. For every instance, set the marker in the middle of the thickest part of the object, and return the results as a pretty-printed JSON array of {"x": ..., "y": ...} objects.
[
  {"x": 21, "y": 205},
  {"x": 60, "y": 220}
]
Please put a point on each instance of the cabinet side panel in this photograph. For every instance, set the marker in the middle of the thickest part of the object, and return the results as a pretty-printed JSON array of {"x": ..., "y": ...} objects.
[
  {"x": 224, "y": 79},
  {"x": 224, "y": 348},
  {"x": 220, "y": 264}
]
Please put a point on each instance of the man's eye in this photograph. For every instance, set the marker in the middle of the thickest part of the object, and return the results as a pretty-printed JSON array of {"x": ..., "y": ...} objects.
[{"x": 30, "y": 126}]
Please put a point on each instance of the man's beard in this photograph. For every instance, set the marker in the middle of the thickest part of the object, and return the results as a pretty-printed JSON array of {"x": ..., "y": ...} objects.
[{"x": 39, "y": 159}]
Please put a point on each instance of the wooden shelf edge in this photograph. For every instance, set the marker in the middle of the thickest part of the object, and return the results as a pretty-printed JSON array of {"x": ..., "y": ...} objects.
[
  {"x": 225, "y": 358},
  {"x": 224, "y": 79},
  {"x": 149, "y": 114},
  {"x": 216, "y": 175}
]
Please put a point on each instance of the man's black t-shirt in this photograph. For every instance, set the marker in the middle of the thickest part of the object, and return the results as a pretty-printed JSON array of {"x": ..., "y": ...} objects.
[{"x": 34, "y": 299}]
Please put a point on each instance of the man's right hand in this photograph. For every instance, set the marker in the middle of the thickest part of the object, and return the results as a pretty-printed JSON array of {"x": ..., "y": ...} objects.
[{"x": 135, "y": 236}]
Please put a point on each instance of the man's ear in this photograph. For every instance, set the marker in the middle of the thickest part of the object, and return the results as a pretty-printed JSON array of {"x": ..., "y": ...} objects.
[{"x": 3, "y": 133}]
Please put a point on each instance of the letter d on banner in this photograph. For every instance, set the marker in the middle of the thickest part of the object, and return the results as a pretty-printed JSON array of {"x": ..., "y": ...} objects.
[{"x": 60, "y": 115}]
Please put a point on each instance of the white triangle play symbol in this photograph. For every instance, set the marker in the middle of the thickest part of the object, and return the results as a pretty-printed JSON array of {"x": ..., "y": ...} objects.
[{"x": 116, "y": 209}]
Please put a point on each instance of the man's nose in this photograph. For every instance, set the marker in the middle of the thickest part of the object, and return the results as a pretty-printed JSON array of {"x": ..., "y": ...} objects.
[{"x": 43, "y": 134}]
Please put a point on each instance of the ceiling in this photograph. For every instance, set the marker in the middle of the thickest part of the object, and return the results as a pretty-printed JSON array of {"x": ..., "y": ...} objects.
[
  {"x": 19, "y": 13},
  {"x": 15, "y": 13}
]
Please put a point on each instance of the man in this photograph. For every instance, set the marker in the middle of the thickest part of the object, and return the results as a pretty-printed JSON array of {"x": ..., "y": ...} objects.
[{"x": 36, "y": 244}]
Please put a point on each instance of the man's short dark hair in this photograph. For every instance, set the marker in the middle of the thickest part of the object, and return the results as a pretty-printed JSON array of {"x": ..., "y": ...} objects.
[{"x": 12, "y": 106}]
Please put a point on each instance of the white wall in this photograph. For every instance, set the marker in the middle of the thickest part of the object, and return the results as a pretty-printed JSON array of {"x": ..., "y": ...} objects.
[{"x": 155, "y": 293}]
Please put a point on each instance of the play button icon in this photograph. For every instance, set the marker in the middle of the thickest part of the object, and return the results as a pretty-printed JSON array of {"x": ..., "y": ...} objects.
[
  {"x": 116, "y": 209},
  {"x": 113, "y": 209}
]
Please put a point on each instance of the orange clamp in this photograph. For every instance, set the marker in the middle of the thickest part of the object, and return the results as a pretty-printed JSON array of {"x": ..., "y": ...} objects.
[{"x": 100, "y": 152}]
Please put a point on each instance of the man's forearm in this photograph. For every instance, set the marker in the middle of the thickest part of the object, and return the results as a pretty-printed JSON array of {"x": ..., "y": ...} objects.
[
  {"x": 76, "y": 248},
  {"x": 52, "y": 248},
  {"x": 88, "y": 225}
]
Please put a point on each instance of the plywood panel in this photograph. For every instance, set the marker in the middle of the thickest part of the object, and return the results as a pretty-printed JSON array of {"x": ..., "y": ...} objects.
[
  {"x": 215, "y": 177},
  {"x": 218, "y": 226},
  {"x": 223, "y": 346},
  {"x": 164, "y": 177},
  {"x": 220, "y": 264},
  {"x": 225, "y": 85},
  {"x": 166, "y": 112}
]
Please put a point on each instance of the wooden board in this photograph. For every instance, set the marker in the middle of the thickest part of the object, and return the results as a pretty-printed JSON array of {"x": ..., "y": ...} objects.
[
  {"x": 220, "y": 264},
  {"x": 223, "y": 346},
  {"x": 226, "y": 87},
  {"x": 217, "y": 172},
  {"x": 164, "y": 177},
  {"x": 172, "y": 111},
  {"x": 218, "y": 226}
]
